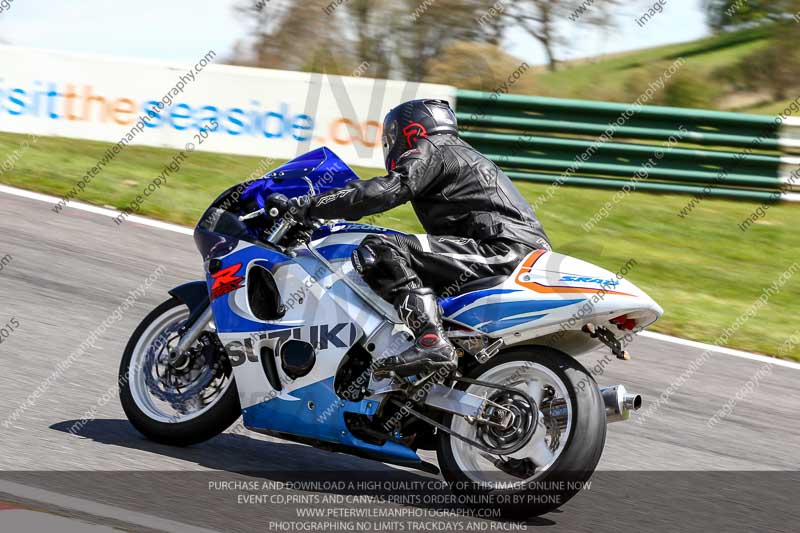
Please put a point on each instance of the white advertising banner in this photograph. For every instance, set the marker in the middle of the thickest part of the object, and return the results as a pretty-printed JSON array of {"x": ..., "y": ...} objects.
[{"x": 258, "y": 112}]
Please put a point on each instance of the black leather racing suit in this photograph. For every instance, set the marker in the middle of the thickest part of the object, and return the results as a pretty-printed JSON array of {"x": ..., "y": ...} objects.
[{"x": 477, "y": 222}]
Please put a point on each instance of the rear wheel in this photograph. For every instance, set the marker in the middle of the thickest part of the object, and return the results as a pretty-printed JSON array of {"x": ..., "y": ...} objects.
[
  {"x": 561, "y": 452},
  {"x": 176, "y": 402}
]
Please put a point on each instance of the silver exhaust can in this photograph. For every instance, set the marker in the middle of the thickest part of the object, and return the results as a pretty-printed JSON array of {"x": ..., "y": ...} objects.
[{"x": 619, "y": 403}]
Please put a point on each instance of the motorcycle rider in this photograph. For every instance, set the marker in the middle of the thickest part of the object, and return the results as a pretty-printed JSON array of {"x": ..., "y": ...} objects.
[{"x": 477, "y": 225}]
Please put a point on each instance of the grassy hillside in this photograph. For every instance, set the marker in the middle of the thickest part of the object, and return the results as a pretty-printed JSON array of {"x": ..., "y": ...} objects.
[
  {"x": 707, "y": 54},
  {"x": 702, "y": 269},
  {"x": 622, "y": 77}
]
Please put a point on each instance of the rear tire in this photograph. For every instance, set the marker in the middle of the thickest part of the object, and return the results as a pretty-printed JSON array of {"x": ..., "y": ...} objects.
[
  {"x": 224, "y": 412},
  {"x": 574, "y": 465}
]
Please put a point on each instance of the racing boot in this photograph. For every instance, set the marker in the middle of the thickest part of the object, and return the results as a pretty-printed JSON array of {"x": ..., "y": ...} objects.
[{"x": 432, "y": 350}]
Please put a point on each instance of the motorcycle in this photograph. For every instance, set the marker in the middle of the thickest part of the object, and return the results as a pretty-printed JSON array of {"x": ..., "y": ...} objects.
[{"x": 285, "y": 333}]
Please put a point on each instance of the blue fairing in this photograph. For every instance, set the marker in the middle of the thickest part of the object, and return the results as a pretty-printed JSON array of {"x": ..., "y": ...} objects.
[
  {"x": 290, "y": 414},
  {"x": 495, "y": 316},
  {"x": 351, "y": 227},
  {"x": 321, "y": 166},
  {"x": 453, "y": 304},
  {"x": 337, "y": 251},
  {"x": 220, "y": 229},
  {"x": 226, "y": 319}
]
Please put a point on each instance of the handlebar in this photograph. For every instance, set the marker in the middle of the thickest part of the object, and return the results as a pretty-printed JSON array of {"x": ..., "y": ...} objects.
[
  {"x": 273, "y": 212},
  {"x": 280, "y": 229},
  {"x": 254, "y": 214},
  {"x": 277, "y": 207}
]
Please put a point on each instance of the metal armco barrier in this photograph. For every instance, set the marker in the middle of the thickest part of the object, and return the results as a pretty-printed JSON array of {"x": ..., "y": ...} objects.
[{"x": 649, "y": 148}]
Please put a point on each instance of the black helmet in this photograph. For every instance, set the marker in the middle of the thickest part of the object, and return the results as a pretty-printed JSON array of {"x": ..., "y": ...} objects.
[{"x": 409, "y": 121}]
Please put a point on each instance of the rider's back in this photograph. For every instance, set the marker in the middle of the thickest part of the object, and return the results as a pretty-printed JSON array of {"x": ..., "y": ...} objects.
[{"x": 473, "y": 198}]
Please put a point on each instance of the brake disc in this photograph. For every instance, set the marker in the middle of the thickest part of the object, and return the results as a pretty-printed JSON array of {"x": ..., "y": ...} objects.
[{"x": 176, "y": 386}]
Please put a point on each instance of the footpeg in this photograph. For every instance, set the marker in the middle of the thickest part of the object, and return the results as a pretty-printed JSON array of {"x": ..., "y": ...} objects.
[
  {"x": 608, "y": 338},
  {"x": 489, "y": 352},
  {"x": 393, "y": 366}
]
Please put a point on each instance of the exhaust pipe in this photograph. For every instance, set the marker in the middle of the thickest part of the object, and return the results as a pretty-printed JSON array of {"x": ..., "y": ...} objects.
[{"x": 619, "y": 403}]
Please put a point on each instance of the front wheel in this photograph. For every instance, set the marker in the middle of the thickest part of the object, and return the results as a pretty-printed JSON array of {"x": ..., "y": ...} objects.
[
  {"x": 176, "y": 402},
  {"x": 566, "y": 428}
]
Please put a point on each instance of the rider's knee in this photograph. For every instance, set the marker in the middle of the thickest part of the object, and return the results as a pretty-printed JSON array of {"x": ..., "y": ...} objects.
[{"x": 368, "y": 257}]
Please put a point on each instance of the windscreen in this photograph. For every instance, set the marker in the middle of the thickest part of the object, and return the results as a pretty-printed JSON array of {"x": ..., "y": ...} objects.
[
  {"x": 219, "y": 228},
  {"x": 321, "y": 167}
]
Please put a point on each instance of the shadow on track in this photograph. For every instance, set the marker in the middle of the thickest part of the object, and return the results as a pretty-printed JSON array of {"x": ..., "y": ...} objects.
[
  {"x": 239, "y": 458},
  {"x": 238, "y": 453}
]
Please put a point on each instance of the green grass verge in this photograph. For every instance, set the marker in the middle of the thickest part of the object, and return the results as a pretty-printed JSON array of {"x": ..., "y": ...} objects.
[{"x": 702, "y": 269}]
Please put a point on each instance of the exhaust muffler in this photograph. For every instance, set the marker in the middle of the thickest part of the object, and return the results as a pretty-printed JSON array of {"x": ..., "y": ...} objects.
[{"x": 619, "y": 403}]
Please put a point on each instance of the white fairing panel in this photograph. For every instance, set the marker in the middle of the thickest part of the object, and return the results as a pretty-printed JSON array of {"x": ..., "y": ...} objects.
[
  {"x": 312, "y": 315},
  {"x": 548, "y": 298},
  {"x": 321, "y": 309},
  {"x": 551, "y": 294}
]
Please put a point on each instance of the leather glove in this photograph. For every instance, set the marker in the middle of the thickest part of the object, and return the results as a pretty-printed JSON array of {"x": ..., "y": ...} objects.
[{"x": 298, "y": 210}]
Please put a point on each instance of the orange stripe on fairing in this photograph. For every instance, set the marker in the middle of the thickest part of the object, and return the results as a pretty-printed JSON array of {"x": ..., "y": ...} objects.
[{"x": 538, "y": 287}]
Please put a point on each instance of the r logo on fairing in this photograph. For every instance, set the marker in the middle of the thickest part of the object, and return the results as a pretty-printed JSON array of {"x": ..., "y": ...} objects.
[{"x": 226, "y": 280}]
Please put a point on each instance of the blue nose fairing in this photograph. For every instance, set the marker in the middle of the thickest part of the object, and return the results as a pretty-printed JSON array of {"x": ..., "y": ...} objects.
[{"x": 321, "y": 167}]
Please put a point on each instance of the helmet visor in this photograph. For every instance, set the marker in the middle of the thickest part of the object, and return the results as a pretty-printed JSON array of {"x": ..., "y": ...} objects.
[{"x": 389, "y": 139}]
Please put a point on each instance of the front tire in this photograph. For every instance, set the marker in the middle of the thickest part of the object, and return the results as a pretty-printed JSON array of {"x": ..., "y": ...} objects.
[
  {"x": 521, "y": 495},
  {"x": 150, "y": 416}
]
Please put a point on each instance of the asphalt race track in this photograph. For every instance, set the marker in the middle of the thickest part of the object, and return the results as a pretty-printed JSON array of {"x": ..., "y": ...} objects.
[{"x": 68, "y": 272}]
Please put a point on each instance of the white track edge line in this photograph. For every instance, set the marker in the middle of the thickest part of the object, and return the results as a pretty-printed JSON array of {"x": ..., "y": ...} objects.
[
  {"x": 111, "y": 213},
  {"x": 187, "y": 231},
  {"x": 97, "y": 509},
  {"x": 721, "y": 349}
]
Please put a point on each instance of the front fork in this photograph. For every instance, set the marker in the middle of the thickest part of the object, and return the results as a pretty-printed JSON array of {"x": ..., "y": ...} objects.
[
  {"x": 195, "y": 296},
  {"x": 196, "y": 324}
]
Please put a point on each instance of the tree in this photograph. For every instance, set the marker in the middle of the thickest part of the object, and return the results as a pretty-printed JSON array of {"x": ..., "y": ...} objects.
[
  {"x": 286, "y": 34},
  {"x": 731, "y": 14},
  {"x": 369, "y": 19},
  {"x": 774, "y": 68},
  {"x": 380, "y": 38},
  {"x": 543, "y": 18},
  {"x": 263, "y": 22},
  {"x": 420, "y": 30},
  {"x": 480, "y": 67}
]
